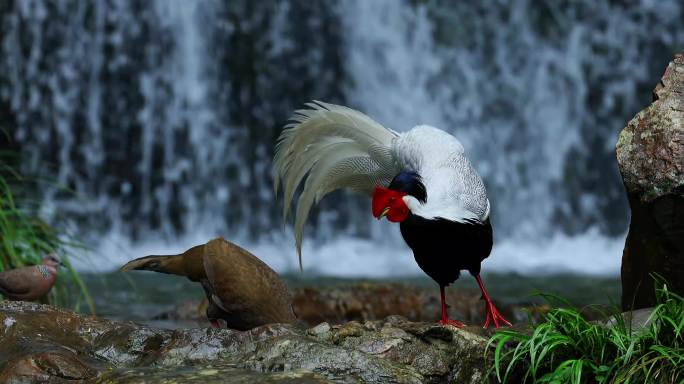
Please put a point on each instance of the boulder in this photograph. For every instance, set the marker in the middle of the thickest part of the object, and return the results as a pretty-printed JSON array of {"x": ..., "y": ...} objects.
[
  {"x": 650, "y": 154},
  {"x": 44, "y": 344}
]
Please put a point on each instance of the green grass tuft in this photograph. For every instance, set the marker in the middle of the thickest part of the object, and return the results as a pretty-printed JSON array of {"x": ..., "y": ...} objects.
[{"x": 566, "y": 348}]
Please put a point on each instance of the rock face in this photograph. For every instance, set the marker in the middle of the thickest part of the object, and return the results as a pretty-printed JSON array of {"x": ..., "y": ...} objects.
[
  {"x": 650, "y": 153},
  {"x": 39, "y": 343}
]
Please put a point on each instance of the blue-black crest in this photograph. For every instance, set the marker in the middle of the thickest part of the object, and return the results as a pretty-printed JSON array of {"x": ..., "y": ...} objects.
[{"x": 410, "y": 183}]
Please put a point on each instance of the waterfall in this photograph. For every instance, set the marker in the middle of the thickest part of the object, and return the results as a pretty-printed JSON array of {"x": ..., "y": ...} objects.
[{"x": 157, "y": 119}]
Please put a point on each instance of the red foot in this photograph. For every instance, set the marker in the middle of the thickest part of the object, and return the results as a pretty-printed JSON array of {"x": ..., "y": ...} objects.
[
  {"x": 453, "y": 323},
  {"x": 493, "y": 315},
  {"x": 445, "y": 317},
  {"x": 214, "y": 323}
]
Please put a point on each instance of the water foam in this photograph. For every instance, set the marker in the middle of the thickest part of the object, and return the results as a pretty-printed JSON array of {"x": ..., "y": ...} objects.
[{"x": 590, "y": 253}]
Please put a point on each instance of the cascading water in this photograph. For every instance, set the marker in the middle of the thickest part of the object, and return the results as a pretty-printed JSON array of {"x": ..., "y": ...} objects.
[{"x": 157, "y": 119}]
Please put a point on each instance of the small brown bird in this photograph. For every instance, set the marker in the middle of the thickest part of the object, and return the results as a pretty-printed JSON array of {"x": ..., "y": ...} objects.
[
  {"x": 241, "y": 289},
  {"x": 30, "y": 283}
]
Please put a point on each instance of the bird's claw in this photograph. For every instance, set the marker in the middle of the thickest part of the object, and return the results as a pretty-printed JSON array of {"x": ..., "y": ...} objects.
[
  {"x": 494, "y": 316},
  {"x": 453, "y": 323}
]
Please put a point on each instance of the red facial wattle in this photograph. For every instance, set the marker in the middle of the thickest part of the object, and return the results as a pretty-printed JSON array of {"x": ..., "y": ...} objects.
[{"x": 390, "y": 203}]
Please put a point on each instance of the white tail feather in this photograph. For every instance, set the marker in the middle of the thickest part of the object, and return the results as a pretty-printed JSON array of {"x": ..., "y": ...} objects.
[{"x": 332, "y": 147}]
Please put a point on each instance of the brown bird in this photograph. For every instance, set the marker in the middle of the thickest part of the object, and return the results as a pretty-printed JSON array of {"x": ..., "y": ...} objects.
[
  {"x": 242, "y": 290},
  {"x": 30, "y": 283}
]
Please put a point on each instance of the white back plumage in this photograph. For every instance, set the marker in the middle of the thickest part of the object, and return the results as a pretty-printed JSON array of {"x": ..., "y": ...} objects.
[
  {"x": 335, "y": 147},
  {"x": 454, "y": 189}
]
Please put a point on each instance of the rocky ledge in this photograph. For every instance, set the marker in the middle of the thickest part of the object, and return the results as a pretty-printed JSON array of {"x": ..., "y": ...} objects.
[
  {"x": 650, "y": 153},
  {"x": 40, "y": 343}
]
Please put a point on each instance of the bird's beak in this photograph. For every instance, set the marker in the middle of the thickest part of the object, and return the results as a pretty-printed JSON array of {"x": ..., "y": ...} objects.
[{"x": 384, "y": 213}]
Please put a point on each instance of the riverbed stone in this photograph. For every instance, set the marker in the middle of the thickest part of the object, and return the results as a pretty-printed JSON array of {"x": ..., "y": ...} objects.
[
  {"x": 41, "y": 343},
  {"x": 46, "y": 367},
  {"x": 650, "y": 153}
]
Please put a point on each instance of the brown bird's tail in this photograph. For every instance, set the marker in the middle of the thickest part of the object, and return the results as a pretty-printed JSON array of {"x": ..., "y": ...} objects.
[{"x": 187, "y": 264}]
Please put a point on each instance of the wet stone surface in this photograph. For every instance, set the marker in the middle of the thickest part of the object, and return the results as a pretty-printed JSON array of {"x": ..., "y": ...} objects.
[{"x": 39, "y": 343}]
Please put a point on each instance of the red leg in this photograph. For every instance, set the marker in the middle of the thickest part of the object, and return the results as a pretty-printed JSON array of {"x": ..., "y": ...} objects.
[
  {"x": 215, "y": 323},
  {"x": 493, "y": 314},
  {"x": 445, "y": 317}
]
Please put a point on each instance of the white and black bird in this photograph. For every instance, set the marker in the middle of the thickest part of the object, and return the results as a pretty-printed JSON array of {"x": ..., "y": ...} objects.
[{"x": 421, "y": 179}]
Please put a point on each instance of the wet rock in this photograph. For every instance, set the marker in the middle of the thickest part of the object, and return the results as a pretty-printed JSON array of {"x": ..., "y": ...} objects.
[
  {"x": 46, "y": 367},
  {"x": 322, "y": 331},
  {"x": 350, "y": 329},
  {"x": 209, "y": 374},
  {"x": 636, "y": 321},
  {"x": 40, "y": 343},
  {"x": 650, "y": 153}
]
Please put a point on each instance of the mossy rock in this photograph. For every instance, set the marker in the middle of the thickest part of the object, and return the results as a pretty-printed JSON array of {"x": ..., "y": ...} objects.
[{"x": 650, "y": 153}]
